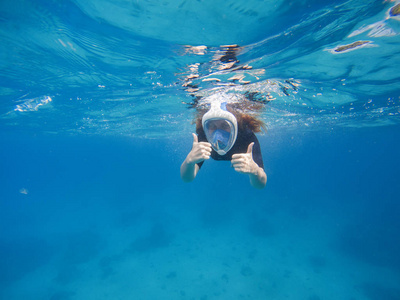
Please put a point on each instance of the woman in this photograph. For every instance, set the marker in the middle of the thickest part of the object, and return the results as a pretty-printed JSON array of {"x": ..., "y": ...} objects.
[{"x": 224, "y": 133}]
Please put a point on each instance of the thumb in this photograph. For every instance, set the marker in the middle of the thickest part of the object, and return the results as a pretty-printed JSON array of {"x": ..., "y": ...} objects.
[
  {"x": 195, "y": 138},
  {"x": 250, "y": 148}
]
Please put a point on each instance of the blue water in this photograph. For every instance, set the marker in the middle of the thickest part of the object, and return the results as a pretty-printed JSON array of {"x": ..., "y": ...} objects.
[{"x": 95, "y": 121}]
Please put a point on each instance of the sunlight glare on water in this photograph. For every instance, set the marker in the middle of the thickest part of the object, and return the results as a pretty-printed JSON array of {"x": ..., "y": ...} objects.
[{"x": 120, "y": 67}]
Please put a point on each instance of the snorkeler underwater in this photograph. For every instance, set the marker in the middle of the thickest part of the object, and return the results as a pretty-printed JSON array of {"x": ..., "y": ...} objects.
[
  {"x": 225, "y": 131},
  {"x": 199, "y": 150}
]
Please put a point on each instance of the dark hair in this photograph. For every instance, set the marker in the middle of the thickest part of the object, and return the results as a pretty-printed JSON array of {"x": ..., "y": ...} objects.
[{"x": 245, "y": 121}]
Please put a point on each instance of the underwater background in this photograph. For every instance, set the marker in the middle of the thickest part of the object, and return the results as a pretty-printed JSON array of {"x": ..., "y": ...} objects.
[{"x": 96, "y": 111}]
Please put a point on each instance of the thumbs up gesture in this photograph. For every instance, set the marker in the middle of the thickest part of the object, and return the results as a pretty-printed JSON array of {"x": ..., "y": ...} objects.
[
  {"x": 200, "y": 151},
  {"x": 244, "y": 163}
]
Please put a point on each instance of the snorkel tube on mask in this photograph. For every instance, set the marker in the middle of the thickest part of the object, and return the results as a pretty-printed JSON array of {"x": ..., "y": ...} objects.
[{"x": 220, "y": 127}]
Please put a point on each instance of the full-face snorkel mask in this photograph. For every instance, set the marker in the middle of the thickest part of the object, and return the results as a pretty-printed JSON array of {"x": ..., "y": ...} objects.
[{"x": 220, "y": 127}]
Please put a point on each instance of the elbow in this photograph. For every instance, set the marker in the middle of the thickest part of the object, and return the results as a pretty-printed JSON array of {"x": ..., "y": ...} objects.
[
  {"x": 260, "y": 181},
  {"x": 188, "y": 173},
  {"x": 186, "y": 179},
  {"x": 186, "y": 176},
  {"x": 259, "y": 185}
]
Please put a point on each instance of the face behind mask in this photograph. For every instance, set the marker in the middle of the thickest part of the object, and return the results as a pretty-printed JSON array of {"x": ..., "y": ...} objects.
[
  {"x": 220, "y": 127},
  {"x": 220, "y": 134},
  {"x": 220, "y": 139}
]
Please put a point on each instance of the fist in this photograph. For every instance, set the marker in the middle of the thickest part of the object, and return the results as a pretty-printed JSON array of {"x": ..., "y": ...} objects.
[{"x": 200, "y": 151}]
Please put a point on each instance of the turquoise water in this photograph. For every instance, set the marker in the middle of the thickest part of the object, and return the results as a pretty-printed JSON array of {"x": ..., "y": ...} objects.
[{"x": 96, "y": 118}]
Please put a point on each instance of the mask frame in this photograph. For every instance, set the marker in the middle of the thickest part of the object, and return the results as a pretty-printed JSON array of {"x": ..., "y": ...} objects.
[{"x": 218, "y": 112}]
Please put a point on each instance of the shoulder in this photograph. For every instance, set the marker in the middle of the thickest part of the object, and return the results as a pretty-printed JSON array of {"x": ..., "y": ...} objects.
[{"x": 246, "y": 135}]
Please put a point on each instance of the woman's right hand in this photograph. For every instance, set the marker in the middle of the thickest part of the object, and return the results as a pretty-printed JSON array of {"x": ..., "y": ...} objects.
[{"x": 200, "y": 151}]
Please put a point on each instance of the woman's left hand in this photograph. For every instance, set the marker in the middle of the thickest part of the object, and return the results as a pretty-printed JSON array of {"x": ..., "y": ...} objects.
[{"x": 244, "y": 163}]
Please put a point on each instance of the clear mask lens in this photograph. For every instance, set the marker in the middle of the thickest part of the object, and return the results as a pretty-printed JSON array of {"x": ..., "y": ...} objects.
[{"x": 218, "y": 133}]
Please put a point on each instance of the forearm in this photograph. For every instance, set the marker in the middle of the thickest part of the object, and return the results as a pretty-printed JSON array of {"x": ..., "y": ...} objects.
[
  {"x": 258, "y": 179},
  {"x": 189, "y": 171}
]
